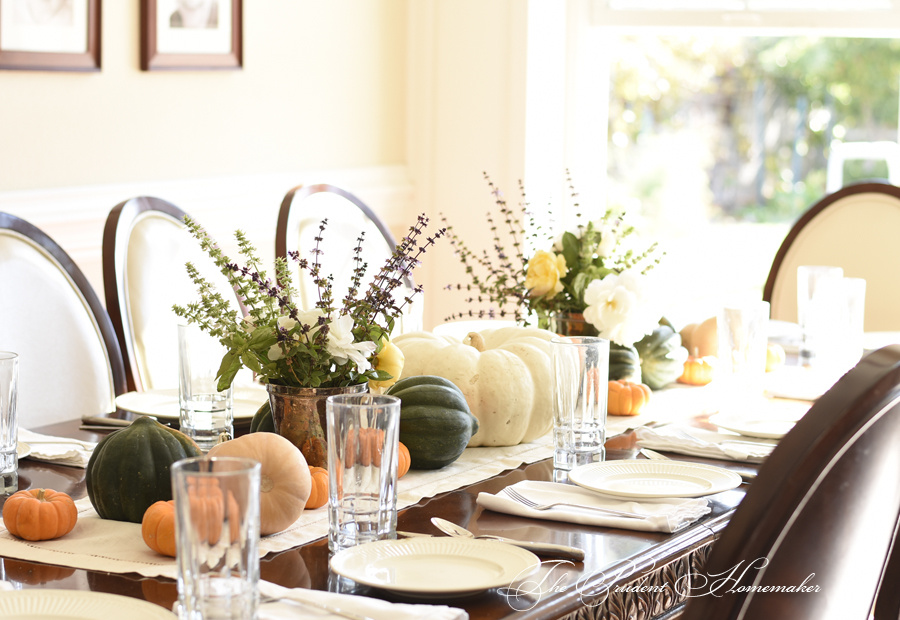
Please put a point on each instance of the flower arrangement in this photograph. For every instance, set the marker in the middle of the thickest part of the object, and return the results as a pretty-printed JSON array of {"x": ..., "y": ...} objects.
[
  {"x": 587, "y": 270},
  {"x": 330, "y": 345}
]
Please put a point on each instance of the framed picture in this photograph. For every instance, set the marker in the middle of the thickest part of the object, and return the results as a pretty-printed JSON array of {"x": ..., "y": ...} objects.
[
  {"x": 190, "y": 34},
  {"x": 50, "y": 35}
]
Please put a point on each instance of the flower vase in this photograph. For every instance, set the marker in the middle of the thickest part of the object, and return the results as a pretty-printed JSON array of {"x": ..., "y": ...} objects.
[
  {"x": 299, "y": 415},
  {"x": 571, "y": 324}
]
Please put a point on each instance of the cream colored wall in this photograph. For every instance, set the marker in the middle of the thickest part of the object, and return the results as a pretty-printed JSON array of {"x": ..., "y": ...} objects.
[{"x": 322, "y": 86}]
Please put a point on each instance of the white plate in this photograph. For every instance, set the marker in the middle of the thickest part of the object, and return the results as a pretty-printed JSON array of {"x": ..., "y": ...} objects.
[
  {"x": 22, "y": 449},
  {"x": 646, "y": 479},
  {"x": 74, "y": 604},
  {"x": 435, "y": 567},
  {"x": 763, "y": 428},
  {"x": 164, "y": 403}
]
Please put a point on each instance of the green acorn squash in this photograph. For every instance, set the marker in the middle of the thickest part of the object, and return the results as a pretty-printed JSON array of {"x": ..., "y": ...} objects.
[
  {"x": 624, "y": 363},
  {"x": 262, "y": 421},
  {"x": 435, "y": 421},
  {"x": 129, "y": 469},
  {"x": 662, "y": 356}
]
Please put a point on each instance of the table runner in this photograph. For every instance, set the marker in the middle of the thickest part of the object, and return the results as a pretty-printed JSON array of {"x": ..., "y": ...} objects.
[{"x": 117, "y": 547}]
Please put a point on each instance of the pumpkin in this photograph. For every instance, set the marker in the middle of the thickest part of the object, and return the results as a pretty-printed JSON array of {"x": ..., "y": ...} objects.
[
  {"x": 624, "y": 363},
  {"x": 158, "y": 528},
  {"x": 129, "y": 469},
  {"x": 39, "y": 514},
  {"x": 163, "y": 593},
  {"x": 207, "y": 508},
  {"x": 35, "y": 574},
  {"x": 435, "y": 421},
  {"x": 390, "y": 360},
  {"x": 263, "y": 421},
  {"x": 775, "y": 356},
  {"x": 318, "y": 495},
  {"x": 662, "y": 356},
  {"x": 284, "y": 478},
  {"x": 503, "y": 374},
  {"x": 627, "y": 398},
  {"x": 403, "y": 460},
  {"x": 698, "y": 370},
  {"x": 702, "y": 337}
]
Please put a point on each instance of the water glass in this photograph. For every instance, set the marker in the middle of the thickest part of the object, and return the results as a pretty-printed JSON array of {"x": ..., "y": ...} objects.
[
  {"x": 363, "y": 431},
  {"x": 217, "y": 537},
  {"x": 9, "y": 460},
  {"x": 743, "y": 337},
  {"x": 580, "y": 390},
  {"x": 206, "y": 412},
  {"x": 853, "y": 309},
  {"x": 818, "y": 308}
]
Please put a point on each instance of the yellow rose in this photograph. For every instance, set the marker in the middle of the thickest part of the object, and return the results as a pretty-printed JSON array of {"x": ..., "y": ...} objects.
[
  {"x": 544, "y": 271},
  {"x": 390, "y": 360}
]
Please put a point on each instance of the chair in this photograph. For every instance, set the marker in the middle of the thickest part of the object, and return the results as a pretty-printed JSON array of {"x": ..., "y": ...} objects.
[
  {"x": 826, "y": 503},
  {"x": 70, "y": 364},
  {"x": 856, "y": 228},
  {"x": 145, "y": 247},
  {"x": 302, "y": 210}
]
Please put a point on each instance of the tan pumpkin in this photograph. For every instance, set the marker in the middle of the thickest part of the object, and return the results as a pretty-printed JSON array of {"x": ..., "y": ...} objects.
[
  {"x": 39, "y": 514},
  {"x": 285, "y": 482},
  {"x": 698, "y": 370},
  {"x": 403, "y": 460},
  {"x": 158, "y": 528},
  {"x": 627, "y": 398},
  {"x": 702, "y": 338},
  {"x": 318, "y": 495}
]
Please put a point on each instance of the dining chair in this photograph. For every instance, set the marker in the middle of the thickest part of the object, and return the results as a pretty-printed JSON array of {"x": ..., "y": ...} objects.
[
  {"x": 855, "y": 228},
  {"x": 70, "y": 364},
  {"x": 145, "y": 248},
  {"x": 302, "y": 211},
  {"x": 823, "y": 513}
]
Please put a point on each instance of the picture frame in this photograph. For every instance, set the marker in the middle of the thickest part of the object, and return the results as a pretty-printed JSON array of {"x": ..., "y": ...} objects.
[
  {"x": 50, "y": 35},
  {"x": 191, "y": 35}
]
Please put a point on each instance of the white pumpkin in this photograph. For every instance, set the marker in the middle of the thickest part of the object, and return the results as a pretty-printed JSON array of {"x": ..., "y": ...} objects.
[{"x": 504, "y": 374}]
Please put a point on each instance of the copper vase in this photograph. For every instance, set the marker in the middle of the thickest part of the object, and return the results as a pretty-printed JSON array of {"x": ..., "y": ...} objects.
[
  {"x": 571, "y": 324},
  {"x": 299, "y": 415}
]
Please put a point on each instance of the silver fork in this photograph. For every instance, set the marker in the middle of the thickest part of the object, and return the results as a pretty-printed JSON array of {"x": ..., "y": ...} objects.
[{"x": 514, "y": 495}]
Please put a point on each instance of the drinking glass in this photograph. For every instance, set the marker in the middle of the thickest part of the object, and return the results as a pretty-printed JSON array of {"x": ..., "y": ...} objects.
[
  {"x": 854, "y": 313},
  {"x": 217, "y": 534},
  {"x": 363, "y": 432},
  {"x": 206, "y": 412},
  {"x": 818, "y": 308},
  {"x": 580, "y": 389},
  {"x": 9, "y": 460},
  {"x": 743, "y": 331}
]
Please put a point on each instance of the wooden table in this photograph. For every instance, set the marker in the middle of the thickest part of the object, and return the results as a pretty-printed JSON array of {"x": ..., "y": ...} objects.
[{"x": 587, "y": 590}]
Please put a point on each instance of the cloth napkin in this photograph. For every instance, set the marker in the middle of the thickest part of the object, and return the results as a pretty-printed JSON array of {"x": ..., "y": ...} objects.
[
  {"x": 65, "y": 452},
  {"x": 664, "y": 515},
  {"x": 291, "y": 606},
  {"x": 709, "y": 444}
]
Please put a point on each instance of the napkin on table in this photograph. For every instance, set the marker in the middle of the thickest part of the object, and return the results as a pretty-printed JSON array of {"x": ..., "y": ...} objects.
[
  {"x": 66, "y": 452},
  {"x": 709, "y": 444},
  {"x": 664, "y": 515},
  {"x": 377, "y": 609}
]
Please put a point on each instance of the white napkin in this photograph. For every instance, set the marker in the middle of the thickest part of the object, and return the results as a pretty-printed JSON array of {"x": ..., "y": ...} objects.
[
  {"x": 664, "y": 515},
  {"x": 6, "y": 586},
  {"x": 287, "y": 608},
  {"x": 699, "y": 442},
  {"x": 64, "y": 452}
]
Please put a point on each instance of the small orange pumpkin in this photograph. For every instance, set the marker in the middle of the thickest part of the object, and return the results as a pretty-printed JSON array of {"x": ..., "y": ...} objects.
[
  {"x": 403, "y": 461},
  {"x": 158, "y": 527},
  {"x": 698, "y": 370},
  {"x": 627, "y": 398},
  {"x": 318, "y": 497},
  {"x": 39, "y": 514}
]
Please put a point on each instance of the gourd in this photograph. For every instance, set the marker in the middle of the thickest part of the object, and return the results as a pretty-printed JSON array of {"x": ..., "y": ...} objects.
[
  {"x": 504, "y": 375},
  {"x": 39, "y": 514},
  {"x": 702, "y": 337},
  {"x": 627, "y": 398},
  {"x": 158, "y": 528},
  {"x": 263, "y": 421},
  {"x": 662, "y": 356},
  {"x": 129, "y": 469},
  {"x": 403, "y": 460},
  {"x": 624, "y": 363},
  {"x": 318, "y": 495},
  {"x": 435, "y": 421},
  {"x": 284, "y": 477},
  {"x": 698, "y": 370},
  {"x": 390, "y": 360},
  {"x": 775, "y": 356}
]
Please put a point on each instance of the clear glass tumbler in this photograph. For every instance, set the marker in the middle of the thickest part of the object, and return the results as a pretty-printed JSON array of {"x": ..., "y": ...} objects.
[
  {"x": 9, "y": 430},
  {"x": 217, "y": 537},
  {"x": 206, "y": 412},
  {"x": 363, "y": 432},
  {"x": 743, "y": 338},
  {"x": 818, "y": 308},
  {"x": 580, "y": 390}
]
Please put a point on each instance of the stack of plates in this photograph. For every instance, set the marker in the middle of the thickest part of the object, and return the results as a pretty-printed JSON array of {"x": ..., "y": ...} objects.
[{"x": 163, "y": 404}]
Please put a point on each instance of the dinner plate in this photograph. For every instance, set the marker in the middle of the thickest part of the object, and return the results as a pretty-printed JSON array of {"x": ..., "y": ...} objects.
[
  {"x": 22, "y": 449},
  {"x": 763, "y": 428},
  {"x": 164, "y": 403},
  {"x": 435, "y": 567},
  {"x": 74, "y": 604},
  {"x": 647, "y": 479}
]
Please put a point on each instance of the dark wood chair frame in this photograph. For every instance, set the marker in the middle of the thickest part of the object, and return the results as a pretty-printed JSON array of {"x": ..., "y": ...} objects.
[
  {"x": 107, "y": 332},
  {"x": 810, "y": 215}
]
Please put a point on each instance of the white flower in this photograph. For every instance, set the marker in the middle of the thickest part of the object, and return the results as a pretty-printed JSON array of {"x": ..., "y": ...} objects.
[
  {"x": 341, "y": 345},
  {"x": 620, "y": 307},
  {"x": 578, "y": 231},
  {"x": 607, "y": 241},
  {"x": 286, "y": 322},
  {"x": 275, "y": 353}
]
